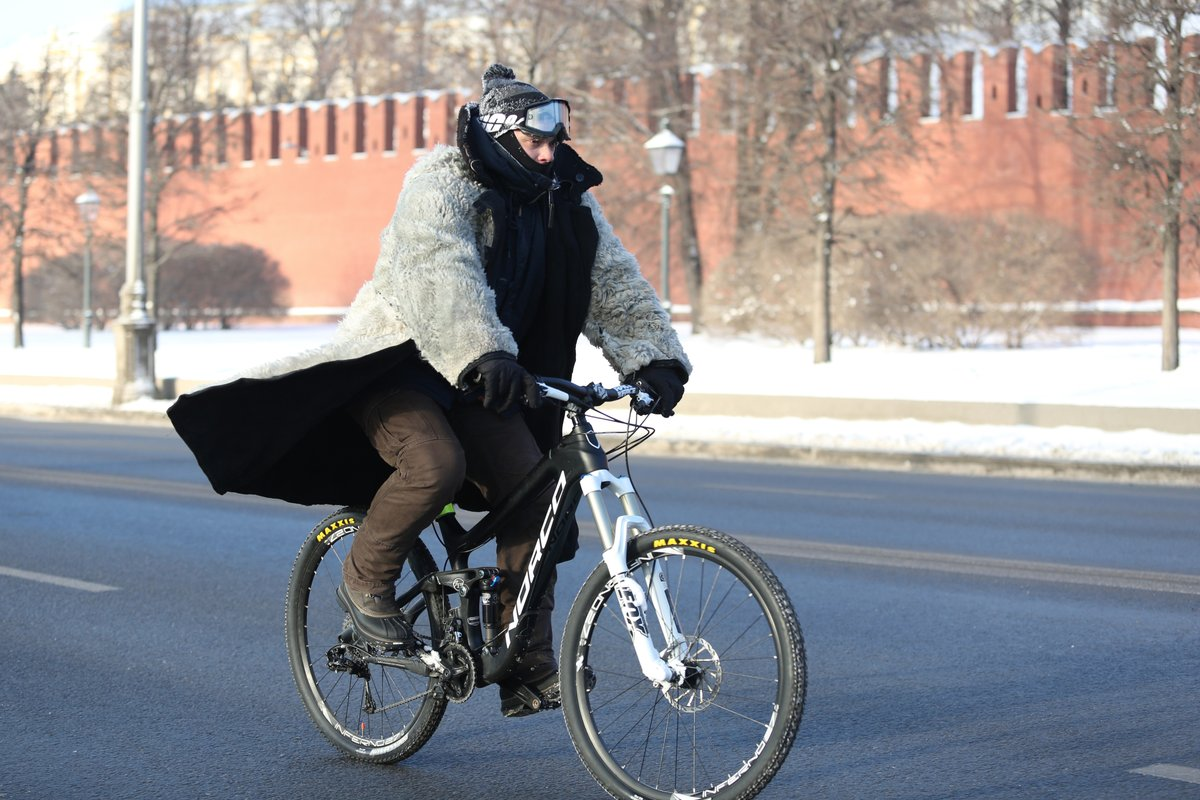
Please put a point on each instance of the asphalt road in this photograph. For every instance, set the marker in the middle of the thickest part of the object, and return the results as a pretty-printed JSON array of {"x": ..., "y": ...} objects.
[{"x": 967, "y": 637}]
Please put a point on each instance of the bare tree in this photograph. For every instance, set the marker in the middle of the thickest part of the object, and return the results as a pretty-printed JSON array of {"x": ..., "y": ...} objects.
[
  {"x": 410, "y": 45},
  {"x": 1146, "y": 140},
  {"x": 660, "y": 52},
  {"x": 320, "y": 26},
  {"x": 816, "y": 107},
  {"x": 1006, "y": 20},
  {"x": 26, "y": 106},
  {"x": 531, "y": 35},
  {"x": 186, "y": 41},
  {"x": 54, "y": 288}
]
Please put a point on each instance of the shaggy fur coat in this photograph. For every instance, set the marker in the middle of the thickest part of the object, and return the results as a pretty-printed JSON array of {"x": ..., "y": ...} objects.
[
  {"x": 429, "y": 287},
  {"x": 279, "y": 430}
]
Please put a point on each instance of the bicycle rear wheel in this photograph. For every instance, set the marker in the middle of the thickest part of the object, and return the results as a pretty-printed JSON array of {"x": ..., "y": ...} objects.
[
  {"x": 372, "y": 711},
  {"x": 724, "y": 730}
]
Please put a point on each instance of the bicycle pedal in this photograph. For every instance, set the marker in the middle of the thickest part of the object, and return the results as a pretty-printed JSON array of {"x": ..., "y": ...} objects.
[{"x": 518, "y": 700}]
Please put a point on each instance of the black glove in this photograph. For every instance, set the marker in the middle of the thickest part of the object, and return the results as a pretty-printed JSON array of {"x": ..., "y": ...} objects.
[
  {"x": 662, "y": 380},
  {"x": 506, "y": 382}
]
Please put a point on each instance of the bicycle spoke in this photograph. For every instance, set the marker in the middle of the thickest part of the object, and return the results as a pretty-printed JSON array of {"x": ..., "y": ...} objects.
[
  {"x": 354, "y": 698},
  {"x": 728, "y": 716}
]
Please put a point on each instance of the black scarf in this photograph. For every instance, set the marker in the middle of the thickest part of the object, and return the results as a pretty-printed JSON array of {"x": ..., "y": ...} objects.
[{"x": 539, "y": 261}]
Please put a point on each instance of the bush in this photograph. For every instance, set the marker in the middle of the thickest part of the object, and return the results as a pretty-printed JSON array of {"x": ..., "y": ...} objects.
[
  {"x": 917, "y": 279},
  {"x": 221, "y": 283},
  {"x": 198, "y": 284},
  {"x": 54, "y": 291}
]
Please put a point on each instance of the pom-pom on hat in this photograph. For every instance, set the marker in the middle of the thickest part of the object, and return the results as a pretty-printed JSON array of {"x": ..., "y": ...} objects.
[{"x": 505, "y": 100}]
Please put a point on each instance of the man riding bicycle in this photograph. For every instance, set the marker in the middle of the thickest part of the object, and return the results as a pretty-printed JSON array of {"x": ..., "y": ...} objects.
[{"x": 496, "y": 259}]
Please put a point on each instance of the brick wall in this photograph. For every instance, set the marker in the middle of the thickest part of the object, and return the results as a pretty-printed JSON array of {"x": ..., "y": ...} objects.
[{"x": 313, "y": 184}]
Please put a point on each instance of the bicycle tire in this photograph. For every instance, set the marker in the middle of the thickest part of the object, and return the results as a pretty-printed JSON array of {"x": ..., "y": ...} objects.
[
  {"x": 389, "y": 715},
  {"x": 728, "y": 734}
]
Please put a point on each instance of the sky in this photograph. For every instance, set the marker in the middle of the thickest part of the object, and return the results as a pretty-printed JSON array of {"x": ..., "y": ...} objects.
[
  {"x": 31, "y": 21},
  {"x": 1103, "y": 367}
]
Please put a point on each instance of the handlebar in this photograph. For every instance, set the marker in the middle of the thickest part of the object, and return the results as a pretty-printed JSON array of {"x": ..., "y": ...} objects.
[{"x": 594, "y": 394}]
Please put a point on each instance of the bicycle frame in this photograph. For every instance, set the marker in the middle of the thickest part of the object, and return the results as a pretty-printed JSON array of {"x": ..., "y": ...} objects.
[{"x": 575, "y": 469}]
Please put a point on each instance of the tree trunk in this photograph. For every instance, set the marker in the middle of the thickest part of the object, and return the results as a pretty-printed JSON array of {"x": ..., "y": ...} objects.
[
  {"x": 18, "y": 292},
  {"x": 664, "y": 65},
  {"x": 1170, "y": 311},
  {"x": 827, "y": 203},
  {"x": 18, "y": 253},
  {"x": 693, "y": 273},
  {"x": 1172, "y": 221}
]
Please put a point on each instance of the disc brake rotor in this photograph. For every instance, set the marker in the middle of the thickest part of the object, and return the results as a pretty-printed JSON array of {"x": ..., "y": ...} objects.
[{"x": 701, "y": 682}]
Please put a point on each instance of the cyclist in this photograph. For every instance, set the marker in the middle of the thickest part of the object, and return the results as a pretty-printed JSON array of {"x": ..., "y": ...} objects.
[{"x": 495, "y": 260}]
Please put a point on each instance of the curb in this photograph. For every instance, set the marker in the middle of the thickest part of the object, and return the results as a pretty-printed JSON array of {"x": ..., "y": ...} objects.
[
  {"x": 1042, "y": 415},
  {"x": 114, "y": 416},
  {"x": 995, "y": 466}
]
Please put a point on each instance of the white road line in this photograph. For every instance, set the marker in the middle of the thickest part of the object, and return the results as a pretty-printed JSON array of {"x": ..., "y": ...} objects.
[
  {"x": 1170, "y": 582},
  {"x": 1172, "y": 772},
  {"x": 57, "y": 580},
  {"x": 790, "y": 490}
]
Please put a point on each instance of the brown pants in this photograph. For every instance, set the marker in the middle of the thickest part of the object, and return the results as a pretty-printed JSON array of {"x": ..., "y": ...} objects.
[{"x": 432, "y": 451}]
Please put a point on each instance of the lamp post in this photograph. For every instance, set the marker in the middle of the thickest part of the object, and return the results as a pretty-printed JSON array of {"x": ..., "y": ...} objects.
[
  {"x": 88, "y": 204},
  {"x": 666, "y": 151},
  {"x": 134, "y": 329}
]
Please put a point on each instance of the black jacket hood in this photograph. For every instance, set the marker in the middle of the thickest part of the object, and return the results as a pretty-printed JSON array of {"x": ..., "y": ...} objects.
[{"x": 495, "y": 167}]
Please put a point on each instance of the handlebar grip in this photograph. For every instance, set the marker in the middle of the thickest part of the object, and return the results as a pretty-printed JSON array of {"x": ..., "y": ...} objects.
[
  {"x": 644, "y": 403},
  {"x": 595, "y": 394}
]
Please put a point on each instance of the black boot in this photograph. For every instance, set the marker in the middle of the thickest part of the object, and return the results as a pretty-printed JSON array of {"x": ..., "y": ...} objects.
[
  {"x": 376, "y": 617},
  {"x": 519, "y": 698}
]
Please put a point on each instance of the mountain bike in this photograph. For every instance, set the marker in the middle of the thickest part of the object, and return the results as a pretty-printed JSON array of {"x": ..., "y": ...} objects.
[{"x": 682, "y": 664}]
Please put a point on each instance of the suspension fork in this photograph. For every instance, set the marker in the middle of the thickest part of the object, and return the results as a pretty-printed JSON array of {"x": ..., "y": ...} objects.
[{"x": 631, "y": 597}]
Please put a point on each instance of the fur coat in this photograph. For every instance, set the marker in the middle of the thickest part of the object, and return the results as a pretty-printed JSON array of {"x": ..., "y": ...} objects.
[{"x": 279, "y": 430}]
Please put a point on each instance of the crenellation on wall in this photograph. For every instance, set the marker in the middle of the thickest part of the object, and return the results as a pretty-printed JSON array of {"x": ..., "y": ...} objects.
[{"x": 323, "y": 175}]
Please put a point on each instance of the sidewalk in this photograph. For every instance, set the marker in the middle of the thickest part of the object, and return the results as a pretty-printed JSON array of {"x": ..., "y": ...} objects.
[{"x": 1040, "y": 412}]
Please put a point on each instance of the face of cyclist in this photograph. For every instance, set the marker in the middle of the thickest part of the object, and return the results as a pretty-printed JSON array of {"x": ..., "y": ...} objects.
[{"x": 539, "y": 148}]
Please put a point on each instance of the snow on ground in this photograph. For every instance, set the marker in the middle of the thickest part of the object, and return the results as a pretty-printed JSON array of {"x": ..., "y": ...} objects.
[{"x": 1118, "y": 367}]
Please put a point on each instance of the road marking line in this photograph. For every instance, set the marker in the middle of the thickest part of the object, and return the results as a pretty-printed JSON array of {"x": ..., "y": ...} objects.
[
  {"x": 145, "y": 486},
  {"x": 57, "y": 580},
  {"x": 90, "y": 480},
  {"x": 1171, "y": 582},
  {"x": 790, "y": 490},
  {"x": 1172, "y": 772}
]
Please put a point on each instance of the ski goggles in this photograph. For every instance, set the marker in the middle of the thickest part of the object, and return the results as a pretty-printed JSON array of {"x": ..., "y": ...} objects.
[{"x": 551, "y": 119}]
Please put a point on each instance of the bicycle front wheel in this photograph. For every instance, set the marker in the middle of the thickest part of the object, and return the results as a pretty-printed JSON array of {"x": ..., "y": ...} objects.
[
  {"x": 725, "y": 726},
  {"x": 355, "y": 691}
]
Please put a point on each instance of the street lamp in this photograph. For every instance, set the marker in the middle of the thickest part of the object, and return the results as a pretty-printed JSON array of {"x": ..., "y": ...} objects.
[
  {"x": 88, "y": 204},
  {"x": 133, "y": 332},
  {"x": 666, "y": 151}
]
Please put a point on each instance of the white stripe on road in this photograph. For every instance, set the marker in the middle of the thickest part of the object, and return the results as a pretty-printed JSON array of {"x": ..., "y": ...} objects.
[
  {"x": 1107, "y": 577},
  {"x": 57, "y": 580},
  {"x": 1172, "y": 772},
  {"x": 789, "y": 490},
  {"x": 1170, "y": 582}
]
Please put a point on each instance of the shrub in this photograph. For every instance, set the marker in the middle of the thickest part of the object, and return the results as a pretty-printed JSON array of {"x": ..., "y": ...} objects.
[
  {"x": 218, "y": 283},
  {"x": 924, "y": 279}
]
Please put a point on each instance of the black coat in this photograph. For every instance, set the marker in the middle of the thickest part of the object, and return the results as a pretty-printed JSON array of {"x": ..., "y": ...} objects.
[{"x": 289, "y": 437}]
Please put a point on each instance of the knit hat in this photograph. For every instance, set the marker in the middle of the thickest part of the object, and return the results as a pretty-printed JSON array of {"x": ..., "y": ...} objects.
[{"x": 505, "y": 100}]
